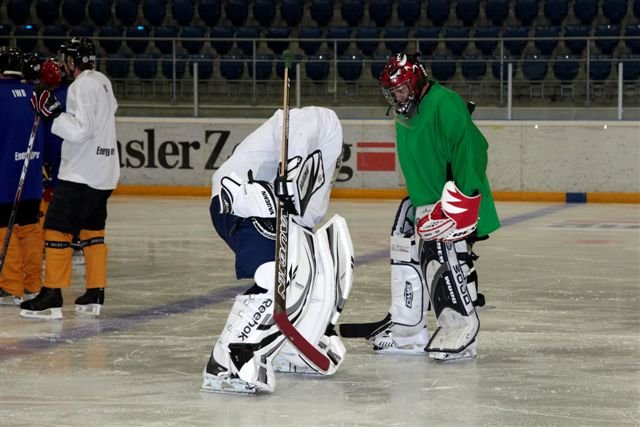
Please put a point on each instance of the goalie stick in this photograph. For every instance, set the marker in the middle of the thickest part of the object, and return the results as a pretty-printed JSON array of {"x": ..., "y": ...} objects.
[{"x": 282, "y": 246}]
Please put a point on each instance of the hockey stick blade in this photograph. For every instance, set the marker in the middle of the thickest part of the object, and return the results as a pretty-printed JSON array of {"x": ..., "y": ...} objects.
[
  {"x": 363, "y": 330},
  {"x": 313, "y": 354}
]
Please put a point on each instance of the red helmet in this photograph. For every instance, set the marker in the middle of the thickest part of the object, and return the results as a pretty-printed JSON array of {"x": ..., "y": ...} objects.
[
  {"x": 402, "y": 81},
  {"x": 50, "y": 73}
]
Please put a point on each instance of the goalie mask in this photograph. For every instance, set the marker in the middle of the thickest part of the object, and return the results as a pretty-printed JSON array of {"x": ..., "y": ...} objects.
[{"x": 402, "y": 81}]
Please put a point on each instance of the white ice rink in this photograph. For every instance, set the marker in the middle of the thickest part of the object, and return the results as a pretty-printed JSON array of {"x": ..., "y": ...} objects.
[{"x": 558, "y": 346}]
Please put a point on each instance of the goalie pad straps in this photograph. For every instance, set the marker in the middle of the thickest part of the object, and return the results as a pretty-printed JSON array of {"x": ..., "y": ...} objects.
[
  {"x": 246, "y": 199},
  {"x": 330, "y": 281},
  {"x": 447, "y": 267},
  {"x": 307, "y": 176}
]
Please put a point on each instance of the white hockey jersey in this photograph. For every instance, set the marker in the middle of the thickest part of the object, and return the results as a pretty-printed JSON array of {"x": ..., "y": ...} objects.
[
  {"x": 315, "y": 137},
  {"x": 88, "y": 128}
]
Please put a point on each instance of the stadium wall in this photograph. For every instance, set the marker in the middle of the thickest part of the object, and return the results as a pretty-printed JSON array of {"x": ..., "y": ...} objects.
[{"x": 573, "y": 161}]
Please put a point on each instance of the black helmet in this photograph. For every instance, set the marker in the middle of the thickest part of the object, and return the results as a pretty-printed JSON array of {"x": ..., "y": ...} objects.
[
  {"x": 82, "y": 50},
  {"x": 31, "y": 63},
  {"x": 11, "y": 61}
]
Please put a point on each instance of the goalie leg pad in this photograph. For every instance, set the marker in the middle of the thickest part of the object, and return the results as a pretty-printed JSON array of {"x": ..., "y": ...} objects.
[
  {"x": 330, "y": 280},
  {"x": 446, "y": 272}
]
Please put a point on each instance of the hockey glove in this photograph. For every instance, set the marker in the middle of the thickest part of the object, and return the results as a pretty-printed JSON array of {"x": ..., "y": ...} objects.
[
  {"x": 247, "y": 199},
  {"x": 45, "y": 104},
  {"x": 453, "y": 217}
]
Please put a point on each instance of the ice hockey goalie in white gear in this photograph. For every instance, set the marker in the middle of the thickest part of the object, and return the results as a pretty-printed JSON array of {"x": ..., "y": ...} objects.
[
  {"x": 404, "y": 329},
  {"x": 333, "y": 257},
  {"x": 247, "y": 198}
]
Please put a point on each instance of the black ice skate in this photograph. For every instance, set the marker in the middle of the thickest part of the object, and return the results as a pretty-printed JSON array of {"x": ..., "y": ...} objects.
[
  {"x": 47, "y": 305},
  {"x": 91, "y": 302}
]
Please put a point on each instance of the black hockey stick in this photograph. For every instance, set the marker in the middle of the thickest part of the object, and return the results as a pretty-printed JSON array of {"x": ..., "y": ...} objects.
[
  {"x": 282, "y": 246},
  {"x": 16, "y": 200}
]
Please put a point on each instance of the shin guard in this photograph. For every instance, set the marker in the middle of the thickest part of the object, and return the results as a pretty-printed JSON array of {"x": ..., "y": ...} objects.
[
  {"x": 95, "y": 253},
  {"x": 446, "y": 268},
  {"x": 58, "y": 254}
]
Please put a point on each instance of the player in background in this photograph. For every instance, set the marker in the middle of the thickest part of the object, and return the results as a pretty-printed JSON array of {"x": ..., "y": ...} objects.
[
  {"x": 443, "y": 156},
  {"x": 243, "y": 209},
  {"x": 89, "y": 171},
  {"x": 21, "y": 275}
]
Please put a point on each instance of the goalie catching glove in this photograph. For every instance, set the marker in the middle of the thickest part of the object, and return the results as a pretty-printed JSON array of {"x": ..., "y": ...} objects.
[{"x": 453, "y": 217}]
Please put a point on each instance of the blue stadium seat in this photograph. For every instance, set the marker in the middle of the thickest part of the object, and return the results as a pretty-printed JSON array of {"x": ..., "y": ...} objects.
[
  {"x": 264, "y": 11},
  {"x": 630, "y": 67},
  {"x": 497, "y": 11},
  {"x": 100, "y": 11},
  {"x": 232, "y": 67},
  {"x": 350, "y": 67},
  {"x": 495, "y": 68},
  {"x": 117, "y": 66},
  {"x": 182, "y": 11},
  {"x": 126, "y": 11},
  {"x": 526, "y": 11},
  {"x": 614, "y": 10},
  {"x": 556, "y": 11},
  {"x": 427, "y": 39},
  {"x": 138, "y": 38},
  {"x": 19, "y": 11},
  {"x": 400, "y": 33},
  {"x": 166, "y": 65},
  {"x": 456, "y": 47},
  {"x": 111, "y": 46},
  {"x": 82, "y": 31},
  {"x": 378, "y": 62},
  {"x": 636, "y": 9},
  {"x": 73, "y": 11},
  {"x": 633, "y": 31},
  {"x": 145, "y": 66},
  {"x": 566, "y": 67},
  {"x": 237, "y": 11},
  {"x": 438, "y": 11},
  {"x": 282, "y": 35},
  {"x": 380, "y": 11},
  {"x": 487, "y": 47},
  {"x": 468, "y": 11},
  {"x": 578, "y": 33},
  {"x": 367, "y": 47},
  {"x": 264, "y": 66},
  {"x": 321, "y": 11},
  {"x": 443, "y": 67},
  {"x": 292, "y": 12},
  {"x": 193, "y": 47},
  {"x": 352, "y": 12},
  {"x": 222, "y": 47},
  {"x": 26, "y": 45},
  {"x": 47, "y": 11},
  {"x": 535, "y": 67},
  {"x": 409, "y": 11},
  {"x": 165, "y": 31},
  {"x": 607, "y": 46},
  {"x": 585, "y": 10},
  {"x": 154, "y": 11},
  {"x": 280, "y": 66},
  {"x": 53, "y": 45},
  {"x": 515, "y": 47},
  {"x": 247, "y": 32},
  {"x": 473, "y": 67},
  {"x": 310, "y": 47},
  {"x": 210, "y": 11},
  {"x": 546, "y": 47},
  {"x": 317, "y": 67},
  {"x": 600, "y": 67},
  {"x": 5, "y": 30},
  {"x": 205, "y": 65},
  {"x": 334, "y": 33}
]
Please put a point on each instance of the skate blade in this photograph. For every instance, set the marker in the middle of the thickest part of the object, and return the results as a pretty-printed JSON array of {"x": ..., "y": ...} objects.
[
  {"x": 10, "y": 300},
  {"x": 92, "y": 310},
  {"x": 48, "y": 314},
  {"x": 211, "y": 384},
  {"x": 444, "y": 357},
  {"x": 410, "y": 351}
]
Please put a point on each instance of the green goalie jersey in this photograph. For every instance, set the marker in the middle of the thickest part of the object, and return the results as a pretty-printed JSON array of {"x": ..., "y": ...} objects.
[{"x": 439, "y": 143}]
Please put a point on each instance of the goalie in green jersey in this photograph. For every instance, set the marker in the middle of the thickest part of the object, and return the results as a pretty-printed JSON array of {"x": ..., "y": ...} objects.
[{"x": 443, "y": 156}]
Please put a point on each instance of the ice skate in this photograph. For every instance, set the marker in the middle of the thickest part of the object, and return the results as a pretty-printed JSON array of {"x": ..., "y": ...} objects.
[
  {"x": 390, "y": 342},
  {"x": 469, "y": 352},
  {"x": 217, "y": 379},
  {"x": 46, "y": 306},
  {"x": 90, "y": 304},
  {"x": 7, "y": 299}
]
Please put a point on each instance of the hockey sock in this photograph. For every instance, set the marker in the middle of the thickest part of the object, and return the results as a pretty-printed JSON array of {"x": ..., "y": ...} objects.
[
  {"x": 11, "y": 275},
  {"x": 58, "y": 254},
  {"x": 95, "y": 253},
  {"x": 30, "y": 237}
]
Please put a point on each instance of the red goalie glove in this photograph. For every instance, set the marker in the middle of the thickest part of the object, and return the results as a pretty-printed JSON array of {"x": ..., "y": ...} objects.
[{"x": 453, "y": 217}]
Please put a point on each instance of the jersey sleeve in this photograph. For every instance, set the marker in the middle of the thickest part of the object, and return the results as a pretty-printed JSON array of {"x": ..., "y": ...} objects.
[{"x": 78, "y": 123}]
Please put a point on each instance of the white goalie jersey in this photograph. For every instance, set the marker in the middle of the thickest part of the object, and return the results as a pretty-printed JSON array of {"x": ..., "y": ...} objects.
[{"x": 315, "y": 146}]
